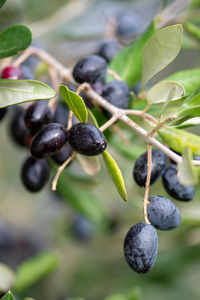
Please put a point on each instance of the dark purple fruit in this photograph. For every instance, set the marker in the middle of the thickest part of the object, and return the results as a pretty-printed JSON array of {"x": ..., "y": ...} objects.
[
  {"x": 159, "y": 164},
  {"x": 109, "y": 49},
  {"x": 63, "y": 154},
  {"x": 87, "y": 139},
  {"x": 50, "y": 139},
  {"x": 129, "y": 25},
  {"x": 37, "y": 115},
  {"x": 140, "y": 247},
  {"x": 61, "y": 114},
  {"x": 173, "y": 186},
  {"x": 19, "y": 132},
  {"x": 12, "y": 72},
  {"x": 82, "y": 228},
  {"x": 35, "y": 174},
  {"x": 90, "y": 69},
  {"x": 163, "y": 213},
  {"x": 3, "y": 112},
  {"x": 117, "y": 93}
]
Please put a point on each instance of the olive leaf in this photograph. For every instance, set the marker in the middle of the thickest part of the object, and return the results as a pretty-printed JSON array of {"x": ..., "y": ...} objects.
[
  {"x": 17, "y": 91},
  {"x": 160, "y": 50},
  {"x": 115, "y": 174},
  {"x": 189, "y": 123},
  {"x": 128, "y": 62},
  {"x": 7, "y": 277},
  {"x": 187, "y": 173},
  {"x": 2, "y": 3},
  {"x": 91, "y": 119},
  {"x": 35, "y": 268},
  {"x": 189, "y": 79},
  {"x": 191, "y": 106},
  {"x": 75, "y": 103},
  {"x": 160, "y": 92},
  {"x": 14, "y": 39},
  {"x": 115, "y": 297},
  {"x": 178, "y": 140},
  {"x": 192, "y": 29},
  {"x": 8, "y": 296},
  {"x": 90, "y": 164}
]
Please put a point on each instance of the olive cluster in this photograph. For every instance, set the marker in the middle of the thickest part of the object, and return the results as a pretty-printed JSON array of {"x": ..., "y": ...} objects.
[{"x": 141, "y": 241}]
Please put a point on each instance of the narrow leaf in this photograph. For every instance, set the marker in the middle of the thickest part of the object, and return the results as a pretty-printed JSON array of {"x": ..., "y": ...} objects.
[
  {"x": 178, "y": 140},
  {"x": 160, "y": 92},
  {"x": 2, "y": 3},
  {"x": 17, "y": 91},
  {"x": 35, "y": 268},
  {"x": 14, "y": 39},
  {"x": 160, "y": 50},
  {"x": 128, "y": 62},
  {"x": 7, "y": 277},
  {"x": 189, "y": 79},
  {"x": 8, "y": 296},
  {"x": 91, "y": 119},
  {"x": 187, "y": 173},
  {"x": 75, "y": 103},
  {"x": 189, "y": 123},
  {"x": 115, "y": 174},
  {"x": 90, "y": 164},
  {"x": 192, "y": 29},
  {"x": 191, "y": 105}
]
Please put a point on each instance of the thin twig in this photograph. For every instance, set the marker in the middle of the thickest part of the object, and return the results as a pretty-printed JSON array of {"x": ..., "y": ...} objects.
[
  {"x": 147, "y": 185},
  {"x": 60, "y": 170},
  {"x": 110, "y": 122},
  {"x": 69, "y": 123},
  {"x": 114, "y": 74},
  {"x": 89, "y": 92},
  {"x": 82, "y": 87},
  {"x": 141, "y": 114}
]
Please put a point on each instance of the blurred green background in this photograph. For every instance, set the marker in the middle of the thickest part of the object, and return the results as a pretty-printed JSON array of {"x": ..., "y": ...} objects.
[{"x": 94, "y": 267}]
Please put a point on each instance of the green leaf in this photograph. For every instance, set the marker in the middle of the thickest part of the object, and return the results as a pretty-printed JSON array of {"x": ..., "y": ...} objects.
[
  {"x": 115, "y": 297},
  {"x": 74, "y": 299},
  {"x": 75, "y": 103},
  {"x": 192, "y": 29},
  {"x": 35, "y": 268},
  {"x": 90, "y": 164},
  {"x": 17, "y": 91},
  {"x": 7, "y": 277},
  {"x": 189, "y": 79},
  {"x": 2, "y": 3},
  {"x": 135, "y": 294},
  {"x": 191, "y": 106},
  {"x": 160, "y": 50},
  {"x": 178, "y": 140},
  {"x": 187, "y": 173},
  {"x": 160, "y": 92},
  {"x": 14, "y": 39},
  {"x": 8, "y": 296},
  {"x": 128, "y": 62},
  {"x": 115, "y": 174},
  {"x": 91, "y": 119},
  {"x": 189, "y": 123}
]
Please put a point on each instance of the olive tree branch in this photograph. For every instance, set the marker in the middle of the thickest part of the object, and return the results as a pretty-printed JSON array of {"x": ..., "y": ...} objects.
[{"x": 120, "y": 114}]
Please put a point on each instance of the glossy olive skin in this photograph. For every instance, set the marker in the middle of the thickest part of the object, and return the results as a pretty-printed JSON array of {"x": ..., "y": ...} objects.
[
  {"x": 109, "y": 49},
  {"x": 159, "y": 164},
  {"x": 18, "y": 130},
  {"x": 50, "y": 139},
  {"x": 86, "y": 139},
  {"x": 35, "y": 174},
  {"x": 140, "y": 247},
  {"x": 3, "y": 112},
  {"x": 12, "y": 72},
  {"x": 117, "y": 93},
  {"x": 90, "y": 69},
  {"x": 37, "y": 115},
  {"x": 163, "y": 213},
  {"x": 173, "y": 186},
  {"x": 63, "y": 154}
]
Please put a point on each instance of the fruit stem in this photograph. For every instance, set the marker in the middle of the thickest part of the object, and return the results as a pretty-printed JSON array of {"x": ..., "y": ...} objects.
[
  {"x": 69, "y": 124},
  {"x": 109, "y": 123},
  {"x": 60, "y": 170},
  {"x": 114, "y": 75},
  {"x": 147, "y": 185}
]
